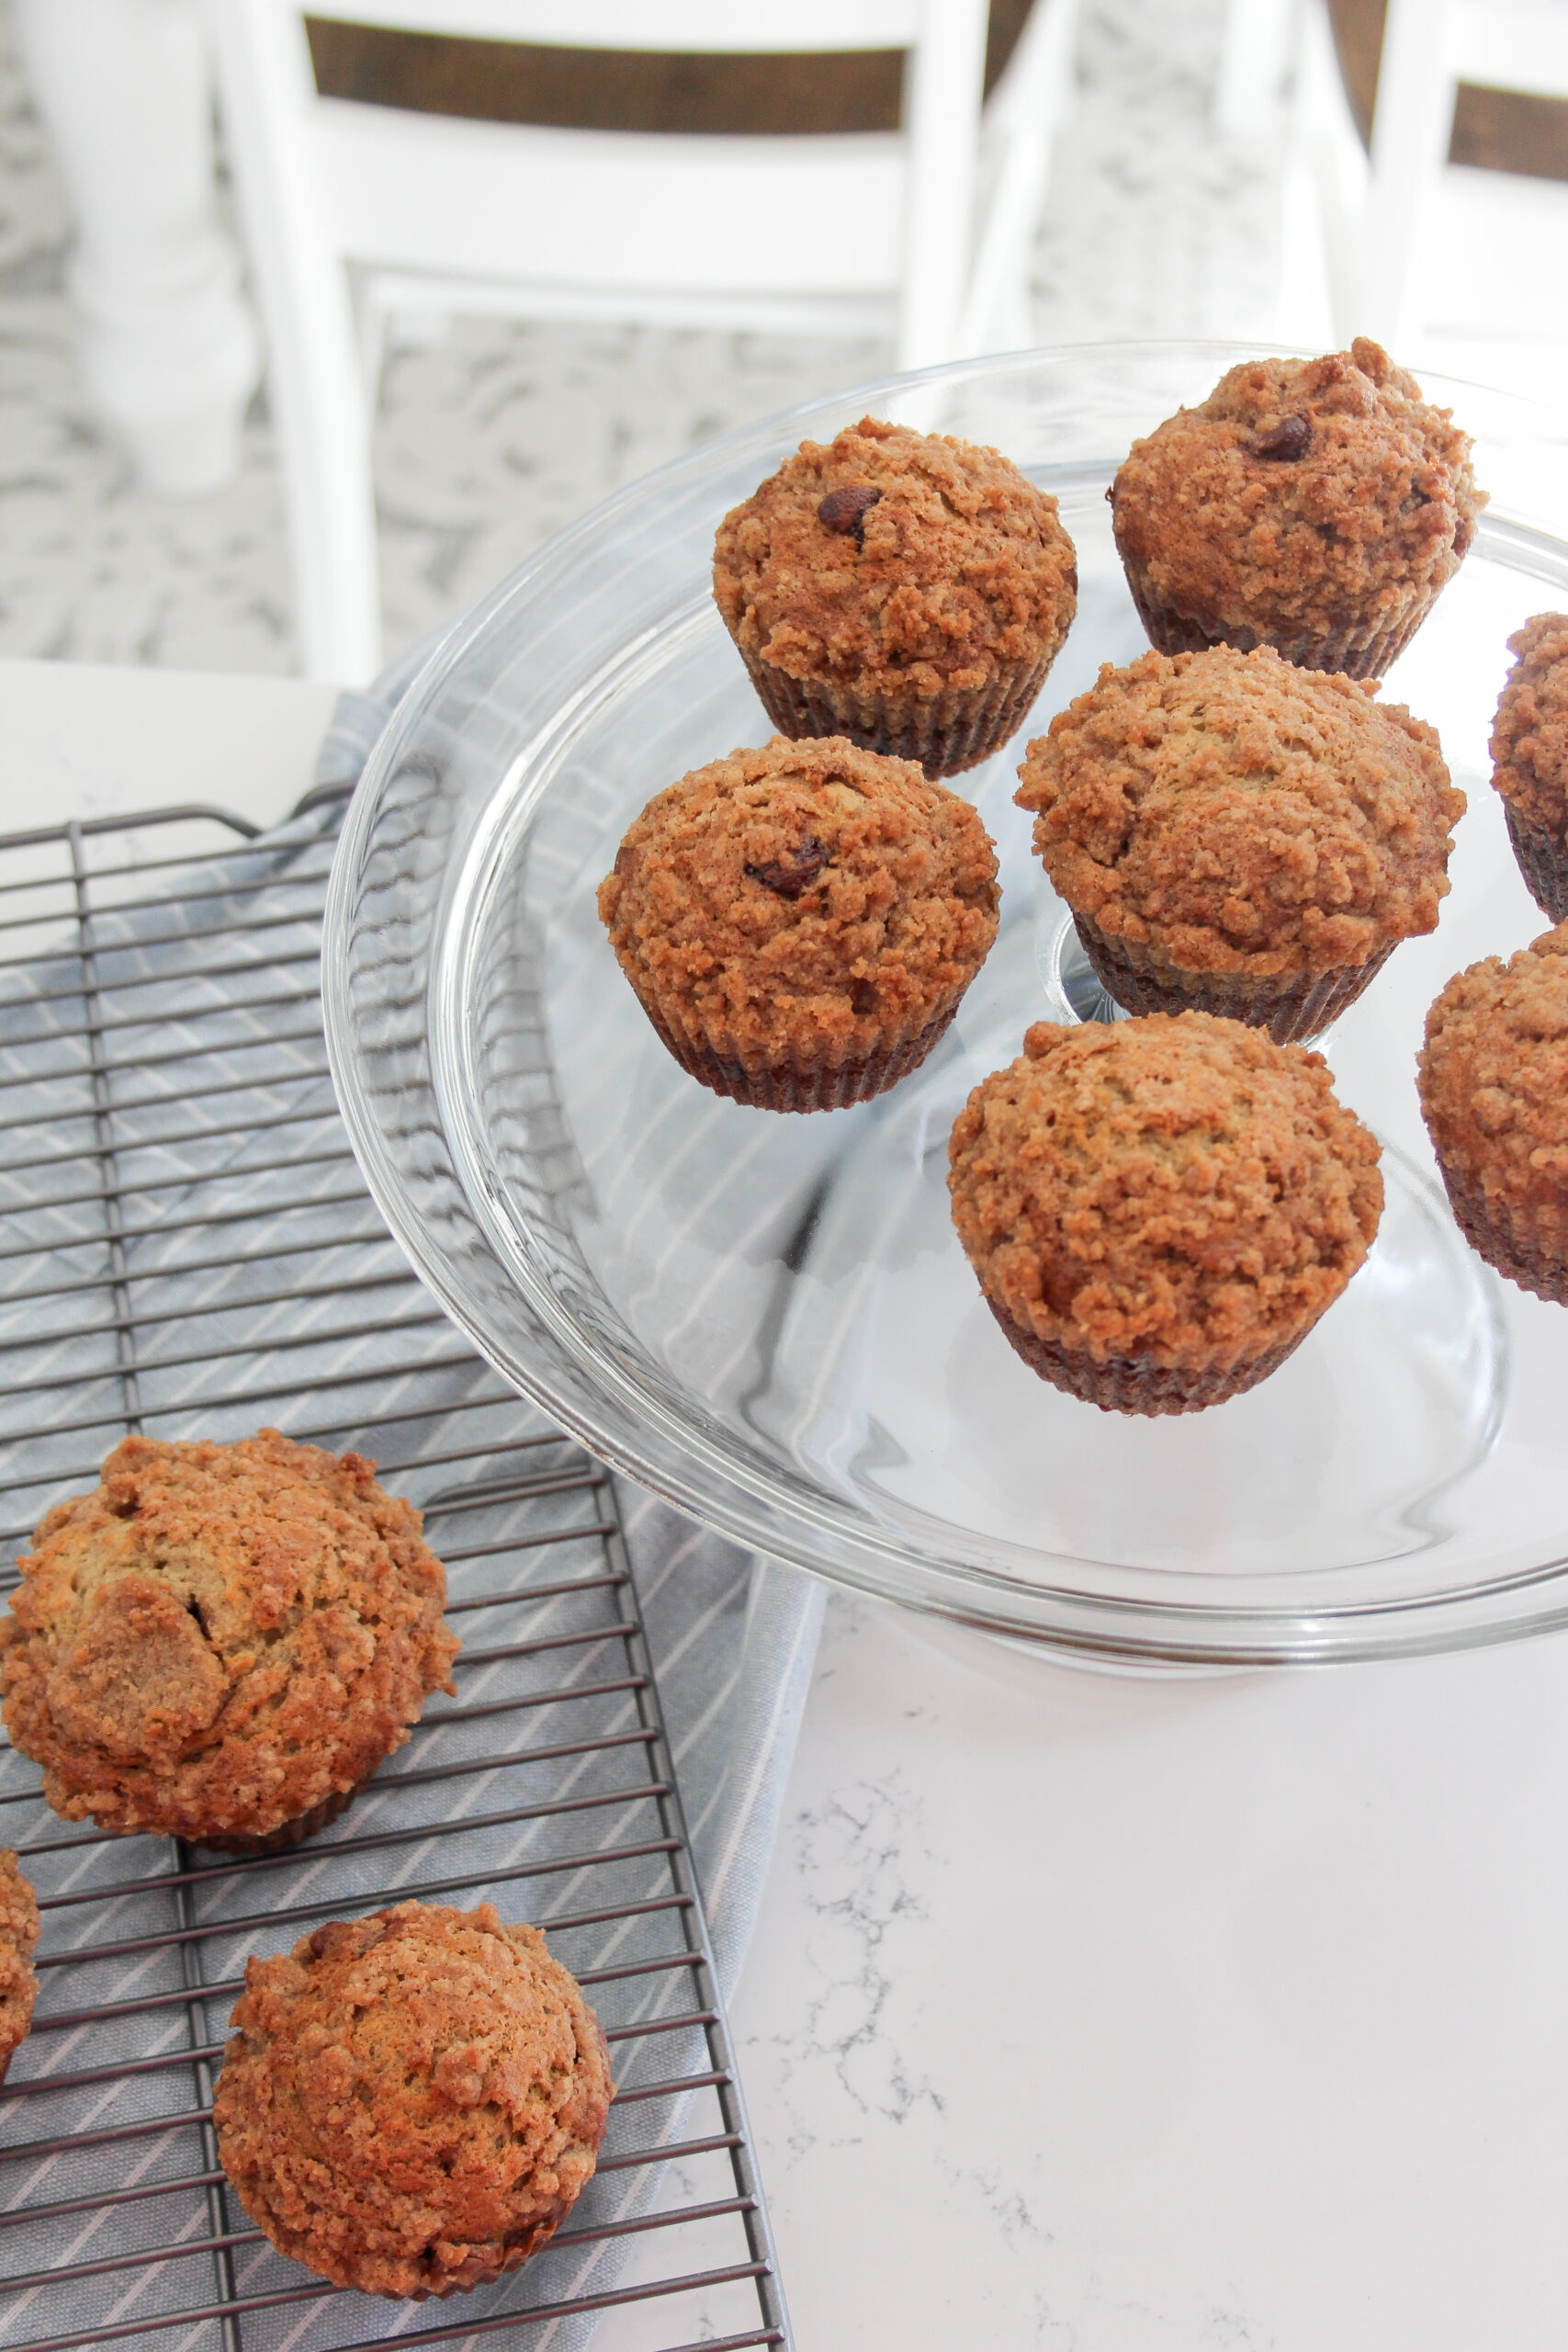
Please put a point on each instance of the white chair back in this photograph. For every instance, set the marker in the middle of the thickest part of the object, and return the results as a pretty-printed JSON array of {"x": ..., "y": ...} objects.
[{"x": 352, "y": 211}]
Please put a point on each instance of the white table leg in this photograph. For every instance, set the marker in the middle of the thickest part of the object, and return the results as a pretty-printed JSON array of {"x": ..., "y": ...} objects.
[{"x": 169, "y": 347}]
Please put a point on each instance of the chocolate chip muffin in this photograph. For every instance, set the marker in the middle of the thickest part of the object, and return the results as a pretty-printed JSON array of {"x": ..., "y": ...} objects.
[
  {"x": 1530, "y": 758},
  {"x": 222, "y": 1642},
  {"x": 799, "y": 922},
  {"x": 1159, "y": 1210},
  {"x": 1238, "y": 836},
  {"x": 904, "y": 590},
  {"x": 412, "y": 2103},
  {"x": 1316, "y": 505},
  {"x": 1494, "y": 1080},
  {"x": 19, "y": 1934}
]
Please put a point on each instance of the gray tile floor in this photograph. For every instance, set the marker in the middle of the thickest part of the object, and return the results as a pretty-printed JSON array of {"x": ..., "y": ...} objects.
[{"x": 499, "y": 435}]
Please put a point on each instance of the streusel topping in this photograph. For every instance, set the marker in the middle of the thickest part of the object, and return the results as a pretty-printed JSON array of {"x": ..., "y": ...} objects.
[
  {"x": 804, "y": 895},
  {"x": 889, "y": 559},
  {"x": 1238, "y": 813},
  {"x": 1494, "y": 1080},
  {"x": 1529, "y": 739},
  {"x": 1181, "y": 1189},
  {"x": 1307, "y": 496}
]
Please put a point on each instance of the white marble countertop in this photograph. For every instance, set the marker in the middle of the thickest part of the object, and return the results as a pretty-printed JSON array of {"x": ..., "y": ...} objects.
[{"x": 1086, "y": 2012}]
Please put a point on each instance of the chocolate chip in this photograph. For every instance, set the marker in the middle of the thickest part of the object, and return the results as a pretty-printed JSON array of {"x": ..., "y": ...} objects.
[
  {"x": 791, "y": 881},
  {"x": 1464, "y": 534},
  {"x": 1288, "y": 438},
  {"x": 845, "y": 510}
]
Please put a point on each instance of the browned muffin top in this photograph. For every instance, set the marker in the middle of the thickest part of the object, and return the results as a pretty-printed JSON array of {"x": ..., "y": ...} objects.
[
  {"x": 1238, "y": 814},
  {"x": 1306, "y": 493},
  {"x": 411, "y": 2101},
  {"x": 1180, "y": 1188},
  {"x": 896, "y": 560},
  {"x": 1494, "y": 1078},
  {"x": 219, "y": 1636},
  {"x": 805, "y": 894},
  {"x": 1529, "y": 741},
  {"x": 19, "y": 1934}
]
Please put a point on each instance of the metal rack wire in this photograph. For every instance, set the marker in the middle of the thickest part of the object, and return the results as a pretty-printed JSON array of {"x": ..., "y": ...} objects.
[{"x": 186, "y": 1248}]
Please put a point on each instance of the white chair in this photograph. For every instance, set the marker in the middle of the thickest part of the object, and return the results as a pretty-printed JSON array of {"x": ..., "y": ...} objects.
[
  {"x": 1447, "y": 265},
  {"x": 1449, "y": 255},
  {"x": 354, "y": 212}
]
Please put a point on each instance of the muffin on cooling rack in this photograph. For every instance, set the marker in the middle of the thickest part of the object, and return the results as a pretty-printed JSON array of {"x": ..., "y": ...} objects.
[
  {"x": 1316, "y": 505},
  {"x": 1159, "y": 1210},
  {"x": 1240, "y": 837},
  {"x": 222, "y": 1642},
  {"x": 799, "y": 922},
  {"x": 1494, "y": 1080},
  {"x": 902, "y": 589},
  {"x": 19, "y": 1934},
  {"x": 1530, "y": 758},
  {"x": 412, "y": 2103}
]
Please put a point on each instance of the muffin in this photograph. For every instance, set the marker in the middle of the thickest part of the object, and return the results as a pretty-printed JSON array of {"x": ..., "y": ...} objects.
[
  {"x": 1240, "y": 837},
  {"x": 1530, "y": 758},
  {"x": 799, "y": 922},
  {"x": 222, "y": 1642},
  {"x": 904, "y": 590},
  {"x": 1159, "y": 1210},
  {"x": 19, "y": 1934},
  {"x": 1493, "y": 1081},
  {"x": 1316, "y": 505},
  {"x": 412, "y": 2103}
]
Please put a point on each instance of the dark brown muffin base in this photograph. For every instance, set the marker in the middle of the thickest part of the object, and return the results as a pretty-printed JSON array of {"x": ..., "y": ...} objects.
[
  {"x": 1122, "y": 1384},
  {"x": 1291, "y": 1009},
  {"x": 946, "y": 734},
  {"x": 463, "y": 2282},
  {"x": 1543, "y": 860},
  {"x": 1351, "y": 653},
  {"x": 290, "y": 1833},
  {"x": 820, "y": 1085},
  {"x": 1517, "y": 1249}
]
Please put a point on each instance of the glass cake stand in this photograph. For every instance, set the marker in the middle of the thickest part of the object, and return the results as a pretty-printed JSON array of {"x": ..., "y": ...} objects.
[{"x": 767, "y": 1319}]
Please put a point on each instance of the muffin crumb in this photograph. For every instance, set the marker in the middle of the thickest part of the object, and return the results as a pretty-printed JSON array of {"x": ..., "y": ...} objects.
[
  {"x": 219, "y": 1639},
  {"x": 796, "y": 920},
  {"x": 1494, "y": 1083},
  {"x": 1240, "y": 836},
  {"x": 1160, "y": 1209},
  {"x": 1530, "y": 758},
  {"x": 412, "y": 2103},
  {"x": 19, "y": 1938},
  {"x": 1317, "y": 505},
  {"x": 904, "y": 590}
]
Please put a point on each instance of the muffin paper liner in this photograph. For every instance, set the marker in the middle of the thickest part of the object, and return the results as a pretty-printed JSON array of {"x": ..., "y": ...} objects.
[
  {"x": 1291, "y": 1007},
  {"x": 1125, "y": 1385},
  {"x": 290, "y": 1833},
  {"x": 946, "y": 734},
  {"x": 814, "y": 1085},
  {"x": 1355, "y": 653},
  {"x": 528, "y": 2242},
  {"x": 1543, "y": 860},
  {"x": 1515, "y": 1244}
]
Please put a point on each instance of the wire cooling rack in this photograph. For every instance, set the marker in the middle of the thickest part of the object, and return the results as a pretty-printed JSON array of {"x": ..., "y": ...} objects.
[{"x": 186, "y": 1248}]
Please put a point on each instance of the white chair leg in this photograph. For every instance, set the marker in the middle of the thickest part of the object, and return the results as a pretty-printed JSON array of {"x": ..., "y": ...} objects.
[
  {"x": 1260, "y": 40},
  {"x": 169, "y": 348},
  {"x": 1018, "y": 135},
  {"x": 942, "y": 123},
  {"x": 1410, "y": 130},
  {"x": 321, "y": 402}
]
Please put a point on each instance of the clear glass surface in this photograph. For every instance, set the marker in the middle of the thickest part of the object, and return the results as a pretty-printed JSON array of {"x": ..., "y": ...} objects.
[{"x": 767, "y": 1319}]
